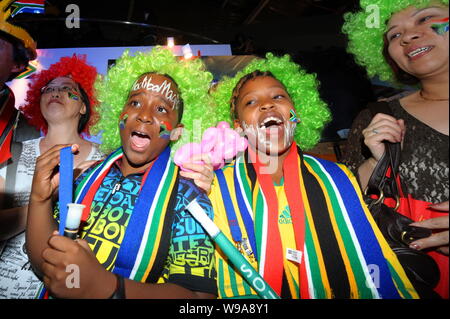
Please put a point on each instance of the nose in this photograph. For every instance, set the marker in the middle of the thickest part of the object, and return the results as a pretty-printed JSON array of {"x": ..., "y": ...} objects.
[
  {"x": 55, "y": 93},
  {"x": 266, "y": 105},
  {"x": 411, "y": 35},
  {"x": 144, "y": 116}
]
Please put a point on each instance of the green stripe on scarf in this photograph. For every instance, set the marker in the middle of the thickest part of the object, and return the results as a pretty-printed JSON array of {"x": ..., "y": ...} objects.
[{"x": 316, "y": 276}]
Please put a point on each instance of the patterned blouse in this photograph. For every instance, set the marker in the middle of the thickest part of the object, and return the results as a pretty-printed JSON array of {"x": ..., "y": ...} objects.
[{"x": 424, "y": 158}]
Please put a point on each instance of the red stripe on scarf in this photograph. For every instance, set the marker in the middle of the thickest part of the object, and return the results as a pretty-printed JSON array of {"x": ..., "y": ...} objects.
[{"x": 296, "y": 205}]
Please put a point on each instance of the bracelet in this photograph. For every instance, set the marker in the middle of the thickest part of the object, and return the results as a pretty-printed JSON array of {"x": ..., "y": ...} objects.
[{"x": 119, "y": 293}]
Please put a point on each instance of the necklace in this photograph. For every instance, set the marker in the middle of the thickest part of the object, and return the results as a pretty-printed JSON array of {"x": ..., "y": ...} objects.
[{"x": 428, "y": 99}]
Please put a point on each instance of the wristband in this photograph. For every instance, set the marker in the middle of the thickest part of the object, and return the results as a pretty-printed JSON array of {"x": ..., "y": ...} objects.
[{"x": 119, "y": 293}]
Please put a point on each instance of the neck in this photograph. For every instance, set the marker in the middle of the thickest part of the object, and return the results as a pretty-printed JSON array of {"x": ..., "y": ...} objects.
[
  {"x": 436, "y": 87},
  {"x": 273, "y": 164},
  {"x": 62, "y": 134},
  {"x": 128, "y": 168}
]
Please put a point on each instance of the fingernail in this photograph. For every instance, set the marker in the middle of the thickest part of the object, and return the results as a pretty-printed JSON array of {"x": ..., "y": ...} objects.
[{"x": 414, "y": 246}]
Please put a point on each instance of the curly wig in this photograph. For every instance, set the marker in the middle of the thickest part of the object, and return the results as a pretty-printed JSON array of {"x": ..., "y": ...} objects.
[
  {"x": 301, "y": 87},
  {"x": 190, "y": 76},
  {"x": 368, "y": 44},
  {"x": 79, "y": 71}
]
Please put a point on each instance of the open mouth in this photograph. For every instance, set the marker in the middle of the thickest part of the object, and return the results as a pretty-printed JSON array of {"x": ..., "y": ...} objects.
[
  {"x": 419, "y": 51},
  {"x": 270, "y": 123},
  {"x": 139, "y": 140}
]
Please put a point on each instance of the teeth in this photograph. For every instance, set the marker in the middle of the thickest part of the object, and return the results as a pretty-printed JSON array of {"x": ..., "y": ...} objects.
[
  {"x": 269, "y": 119},
  {"x": 140, "y": 134},
  {"x": 418, "y": 51}
]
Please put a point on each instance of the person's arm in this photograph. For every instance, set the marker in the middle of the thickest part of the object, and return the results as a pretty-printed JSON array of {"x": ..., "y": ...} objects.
[
  {"x": 98, "y": 283},
  {"x": 12, "y": 221},
  {"x": 40, "y": 223},
  {"x": 68, "y": 261}
]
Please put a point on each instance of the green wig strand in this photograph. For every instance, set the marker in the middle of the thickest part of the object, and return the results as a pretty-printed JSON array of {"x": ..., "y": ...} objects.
[
  {"x": 366, "y": 43},
  {"x": 301, "y": 87},
  {"x": 191, "y": 77}
]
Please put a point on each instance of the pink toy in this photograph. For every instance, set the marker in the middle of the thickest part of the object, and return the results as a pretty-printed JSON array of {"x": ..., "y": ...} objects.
[{"x": 221, "y": 143}]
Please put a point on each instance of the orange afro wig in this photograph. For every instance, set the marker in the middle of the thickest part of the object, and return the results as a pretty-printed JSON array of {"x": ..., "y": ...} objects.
[{"x": 79, "y": 71}]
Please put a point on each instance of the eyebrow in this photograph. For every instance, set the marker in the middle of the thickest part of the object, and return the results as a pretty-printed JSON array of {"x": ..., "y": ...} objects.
[
  {"x": 162, "y": 98},
  {"x": 413, "y": 15}
]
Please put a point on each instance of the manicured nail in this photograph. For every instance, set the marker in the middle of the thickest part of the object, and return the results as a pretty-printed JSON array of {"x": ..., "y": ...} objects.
[{"x": 414, "y": 246}]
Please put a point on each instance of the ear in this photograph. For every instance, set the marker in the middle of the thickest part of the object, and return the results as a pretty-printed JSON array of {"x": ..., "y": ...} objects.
[
  {"x": 83, "y": 109},
  {"x": 176, "y": 133},
  {"x": 237, "y": 124}
]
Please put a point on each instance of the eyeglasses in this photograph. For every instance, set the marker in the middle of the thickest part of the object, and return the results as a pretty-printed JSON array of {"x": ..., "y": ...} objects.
[{"x": 63, "y": 88}]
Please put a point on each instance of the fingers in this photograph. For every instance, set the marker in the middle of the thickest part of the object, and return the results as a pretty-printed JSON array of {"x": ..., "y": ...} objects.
[
  {"x": 53, "y": 256},
  {"x": 55, "y": 150},
  {"x": 382, "y": 128},
  {"x": 440, "y": 207},
  {"x": 435, "y": 240},
  {"x": 433, "y": 223},
  {"x": 61, "y": 243},
  {"x": 84, "y": 244},
  {"x": 201, "y": 174}
]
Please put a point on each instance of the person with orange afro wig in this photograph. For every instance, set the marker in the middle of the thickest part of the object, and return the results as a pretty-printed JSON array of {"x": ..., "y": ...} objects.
[
  {"x": 60, "y": 103},
  {"x": 75, "y": 68}
]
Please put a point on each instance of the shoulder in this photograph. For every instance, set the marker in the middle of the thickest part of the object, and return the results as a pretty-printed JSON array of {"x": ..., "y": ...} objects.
[
  {"x": 95, "y": 154},
  {"x": 331, "y": 169}
]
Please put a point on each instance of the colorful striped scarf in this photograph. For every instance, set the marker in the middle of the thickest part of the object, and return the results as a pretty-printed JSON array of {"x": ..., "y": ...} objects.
[
  {"x": 143, "y": 252},
  {"x": 344, "y": 253}
]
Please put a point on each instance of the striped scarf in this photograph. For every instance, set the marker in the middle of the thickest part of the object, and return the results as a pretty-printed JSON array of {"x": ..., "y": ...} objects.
[
  {"x": 344, "y": 253},
  {"x": 143, "y": 252}
]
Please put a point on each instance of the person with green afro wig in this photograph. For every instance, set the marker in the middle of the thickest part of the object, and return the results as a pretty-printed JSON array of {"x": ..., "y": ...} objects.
[
  {"x": 405, "y": 42},
  {"x": 190, "y": 76},
  {"x": 366, "y": 30},
  {"x": 137, "y": 240},
  {"x": 273, "y": 200},
  {"x": 301, "y": 86}
]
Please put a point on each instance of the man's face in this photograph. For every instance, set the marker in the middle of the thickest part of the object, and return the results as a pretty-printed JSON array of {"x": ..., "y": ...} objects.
[
  {"x": 150, "y": 112},
  {"x": 7, "y": 63}
]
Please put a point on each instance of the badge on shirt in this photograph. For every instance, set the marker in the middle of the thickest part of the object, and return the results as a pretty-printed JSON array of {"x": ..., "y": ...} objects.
[
  {"x": 294, "y": 255},
  {"x": 245, "y": 248}
]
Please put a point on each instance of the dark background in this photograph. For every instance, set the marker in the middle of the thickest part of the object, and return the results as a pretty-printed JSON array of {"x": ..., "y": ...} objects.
[{"x": 308, "y": 30}]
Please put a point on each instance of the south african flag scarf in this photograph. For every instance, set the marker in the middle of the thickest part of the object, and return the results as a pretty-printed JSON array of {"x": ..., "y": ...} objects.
[
  {"x": 344, "y": 253},
  {"x": 150, "y": 223}
]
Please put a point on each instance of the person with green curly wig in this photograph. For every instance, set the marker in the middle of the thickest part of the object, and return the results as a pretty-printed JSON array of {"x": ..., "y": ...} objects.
[
  {"x": 406, "y": 43},
  {"x": 300, "y": 221},
  {"x": 136, "y": 240}
]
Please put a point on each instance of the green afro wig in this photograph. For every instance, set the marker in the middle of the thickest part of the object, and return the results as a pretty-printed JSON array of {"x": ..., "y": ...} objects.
[
  {"x": 366, "y": 39},
  {"x": 191, "y": 77},
  {"x": 301, "y": 87}
]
